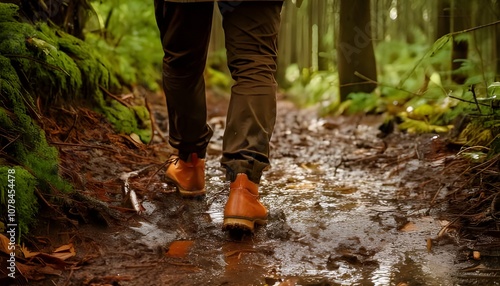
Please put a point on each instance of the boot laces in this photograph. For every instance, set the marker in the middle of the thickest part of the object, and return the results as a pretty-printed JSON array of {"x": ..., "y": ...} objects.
[{"x": 172, "y": 160}]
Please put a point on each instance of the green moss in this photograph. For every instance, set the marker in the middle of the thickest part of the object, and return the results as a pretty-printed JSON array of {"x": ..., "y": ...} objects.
[
  {"x": 8, "y": 12},
  {"x": 31, "y": 148},
  {"x": 129, "y": 120},
  {"x": 42, "y": 62},
  {"x": 24, "y": 185}
]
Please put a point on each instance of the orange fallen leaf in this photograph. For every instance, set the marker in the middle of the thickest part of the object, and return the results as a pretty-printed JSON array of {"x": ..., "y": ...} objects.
[
  {"x": 66, "y": 247},
  {"x": 64, "y": 252},
  {"x": 27, "y": 253},
  {"x": 56, "y": 258},
  {"x": 179, "y": 248},
  {"x": 429, "y": 244},
  {"x": 29, "y": 272},
  {"x": 410, "y": 226},
  {"x": 49, "y": 270},
  {"x": 4, "y": 244}
]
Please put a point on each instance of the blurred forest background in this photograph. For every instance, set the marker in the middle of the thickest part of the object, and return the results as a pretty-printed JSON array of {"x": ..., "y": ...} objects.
[
  {"x": 422, "y": 66},
  {"x": 425, "y": 65}
]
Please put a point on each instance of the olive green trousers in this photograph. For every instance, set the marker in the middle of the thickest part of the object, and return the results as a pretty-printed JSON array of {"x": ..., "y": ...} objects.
[{"x": 251, "y": 34}]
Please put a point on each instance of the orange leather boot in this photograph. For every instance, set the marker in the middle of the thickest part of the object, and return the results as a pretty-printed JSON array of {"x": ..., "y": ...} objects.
[
  {"x": 243, "y": 209},
  {"x": 188, "y": 177}
]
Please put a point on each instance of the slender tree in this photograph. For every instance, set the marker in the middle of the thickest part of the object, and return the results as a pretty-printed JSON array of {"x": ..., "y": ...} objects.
[
  {"x": 497, "y": 41},
  {"x": 453, "y": 16},
  {"x": 355, "y": 48}
]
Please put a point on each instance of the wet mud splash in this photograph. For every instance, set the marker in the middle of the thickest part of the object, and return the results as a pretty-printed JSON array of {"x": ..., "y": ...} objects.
[{"x": 346, "y": 208}]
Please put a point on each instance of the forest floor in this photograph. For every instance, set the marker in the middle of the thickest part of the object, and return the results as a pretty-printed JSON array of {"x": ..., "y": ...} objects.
[{"x": 347, "y": 207}]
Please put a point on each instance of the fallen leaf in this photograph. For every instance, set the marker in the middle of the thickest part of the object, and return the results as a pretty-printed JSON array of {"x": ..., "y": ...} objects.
[
  {"x": 56, "y": 258},
  {"x": 429, "y": 245},
  {"x": 476, "y": 255},
  {"x": 479, "y": 266},
  {"x": 66, "y": 247},
  {"x": 4, "y": 244},
  {"x": 29, "y": 272},
  {"x": 410, "y": 226},
  {"x": 49, "y": 270},
  {"x": 179, "y": 248},
  {"x": 444, "y": 222},
  {"x": 64, "y": 252},
  {"x": 27, "y": 253},
  {"x": 136, "y": 139}
]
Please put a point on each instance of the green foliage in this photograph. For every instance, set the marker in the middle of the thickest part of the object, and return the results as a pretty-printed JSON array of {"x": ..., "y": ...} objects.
[
  {"x": 307, "y": 88},
  {"x": 128, "y": 37},
  {"x": 415, "y": 86},
  {"x": 25, "y": 200},
  {"x": 362, "y": 102},
  {"x": 483, "y": 114}
]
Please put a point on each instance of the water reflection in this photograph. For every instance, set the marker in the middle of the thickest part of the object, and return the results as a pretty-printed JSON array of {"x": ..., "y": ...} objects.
[{"x": 383, "y": 275}]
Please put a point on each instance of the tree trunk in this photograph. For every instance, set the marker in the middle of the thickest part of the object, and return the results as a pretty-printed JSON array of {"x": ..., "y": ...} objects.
[
  {"x": 444, "y": 16},
  {"x": 355, "y": 48},
  {"x": 497, "y": 44},
  {"x": 461, "y": 21}
]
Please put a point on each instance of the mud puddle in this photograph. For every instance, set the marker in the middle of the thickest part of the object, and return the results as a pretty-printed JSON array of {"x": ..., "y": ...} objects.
[{"x": 346, "y": 208}]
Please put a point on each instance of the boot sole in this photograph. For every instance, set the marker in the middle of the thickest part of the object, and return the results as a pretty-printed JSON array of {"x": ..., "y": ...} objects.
[
  {"x": 242, "y": 224},
  {"x": 185, "y": 193}
]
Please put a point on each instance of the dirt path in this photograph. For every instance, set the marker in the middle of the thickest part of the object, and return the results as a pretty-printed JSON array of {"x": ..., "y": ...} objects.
[{"x": 346, "y": 208}]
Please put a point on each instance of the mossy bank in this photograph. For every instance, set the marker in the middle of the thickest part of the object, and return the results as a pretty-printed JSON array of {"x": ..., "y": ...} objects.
[{"x": 42, "y": 67}]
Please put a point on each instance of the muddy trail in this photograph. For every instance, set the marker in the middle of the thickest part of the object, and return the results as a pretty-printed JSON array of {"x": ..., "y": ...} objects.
[{"x": 346, "y": 208}]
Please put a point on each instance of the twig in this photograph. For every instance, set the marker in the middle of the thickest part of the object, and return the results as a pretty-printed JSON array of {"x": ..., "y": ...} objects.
[
  {"x": 444, "y": 228},
  {"x": 434, "y": 198},
  {"x": 122, "y": 209},
  {"x": 467, "y": 101},
  {"x": 152, "y": 265},
  {"x": 72, "y": 127},
  {"x": 161, "y": 167},
  {"x": 152, "y": 120},
  {"x": 475, "y": 99},
  {"x": 15, "y": 139},
  {"x": 154, "y": 125},
  {"x": 493, "y": 208},
  {"x": 38, "y": 61},
  {"x": 69, "y": 277},
  {"x": 487, "y": 164},
  {"x": 474, "y": 28},
  {"x": 181, "y": 264},
  {"x": 84, "y": 145},
  {"x": 371, "y": 81},
  {"x": 114, "y": 96},
  {"x": 40, "y": 195}
]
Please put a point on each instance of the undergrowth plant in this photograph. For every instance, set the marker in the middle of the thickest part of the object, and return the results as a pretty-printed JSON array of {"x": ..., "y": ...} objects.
[
  {"x": 415, "y": 89},
  {"x": 126, "y": 33}
]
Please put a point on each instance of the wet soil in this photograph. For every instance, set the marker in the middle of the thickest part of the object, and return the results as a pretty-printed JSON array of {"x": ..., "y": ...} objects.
[{"x": 347, "y": 207}]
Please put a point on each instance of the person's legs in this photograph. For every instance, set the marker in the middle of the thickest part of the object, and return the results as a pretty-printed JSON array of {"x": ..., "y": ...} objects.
[
  {"x": 251, "y": 34},
  {"x": 185, "y": 34}
]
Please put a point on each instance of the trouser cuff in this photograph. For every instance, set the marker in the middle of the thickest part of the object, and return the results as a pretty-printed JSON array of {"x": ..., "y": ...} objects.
[{"x": 253, "y": 169}]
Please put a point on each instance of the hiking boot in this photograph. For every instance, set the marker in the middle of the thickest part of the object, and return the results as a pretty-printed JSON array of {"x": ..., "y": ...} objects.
[
  {"x": 188, "y": 177},
  {"x": 243, "y": 209}
]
